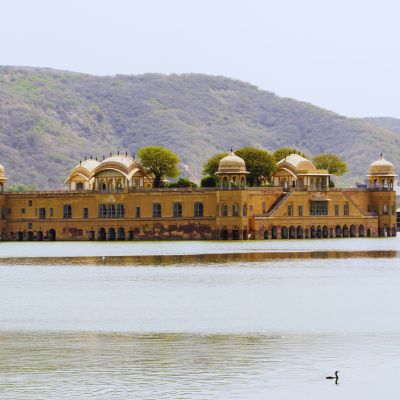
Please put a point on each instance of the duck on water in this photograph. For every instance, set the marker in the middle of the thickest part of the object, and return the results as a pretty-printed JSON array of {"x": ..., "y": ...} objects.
[{"x": 336, "y": 377}]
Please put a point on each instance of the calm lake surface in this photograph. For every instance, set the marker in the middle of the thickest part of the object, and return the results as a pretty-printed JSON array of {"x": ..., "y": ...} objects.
[{"x": 200, "y": 320}]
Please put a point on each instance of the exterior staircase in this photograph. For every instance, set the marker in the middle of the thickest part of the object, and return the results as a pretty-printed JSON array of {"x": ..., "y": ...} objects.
[{"x": 276, "y": 204}]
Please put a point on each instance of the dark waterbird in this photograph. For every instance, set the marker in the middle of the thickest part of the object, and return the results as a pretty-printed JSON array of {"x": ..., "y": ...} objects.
[{"x": 336, "y": 377}]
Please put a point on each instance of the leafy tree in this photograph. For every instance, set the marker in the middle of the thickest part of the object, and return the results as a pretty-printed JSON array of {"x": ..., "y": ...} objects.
[
  {"x": 209, "y": 181},
  {"x": 211, "y": 165},
  {"x": 182, "y": 183},
  {"x": 160, "y": 162},
  {"x": 283, "y": 152},
  {"x": 333, "y": 163},
  {"x": 21, "y": 187},
  {"x": 259, "y": 163}
]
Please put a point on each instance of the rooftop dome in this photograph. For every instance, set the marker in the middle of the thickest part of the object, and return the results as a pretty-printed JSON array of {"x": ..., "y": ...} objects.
[
  {"x": 298, "y": 162},
  {"x": 90, "y": 164},
  {"x": 381, "y": 167},
  {"x": 127, "y": 161},
  {"x": 232, "y": 164}
]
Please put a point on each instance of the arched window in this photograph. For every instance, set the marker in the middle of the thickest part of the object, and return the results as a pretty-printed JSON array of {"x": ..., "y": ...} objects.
[
  {"x": 102, "y": 234},
  {"x": 121, "y": 234},
  {"x": 284, "y": 232},
  {"x": 177, "y": 210},
  {"x": 67, "y": 211},
  {"x": 361, "y": 231},
  {"x": 299, "y": 232},
  {"x": 198, "y": 209},
  {"x": 156, "y": 210},
  {"x": 274, "y": 232},
  {"x": 224, "y": 210},
  {"x": 244, "y": 210},
  {"x": 292, "y": 232},
  {"x": 235, "y": 210},
  {"x": 313, "y": 232},
  {"x": 79, "y": 186}
]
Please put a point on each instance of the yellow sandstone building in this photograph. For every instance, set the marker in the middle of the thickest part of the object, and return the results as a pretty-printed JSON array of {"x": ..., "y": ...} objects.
[{"x": 114, "y": 200}]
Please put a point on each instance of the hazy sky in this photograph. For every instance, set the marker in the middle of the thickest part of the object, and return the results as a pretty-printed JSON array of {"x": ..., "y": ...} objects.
[{"x": 338, "y": 54}]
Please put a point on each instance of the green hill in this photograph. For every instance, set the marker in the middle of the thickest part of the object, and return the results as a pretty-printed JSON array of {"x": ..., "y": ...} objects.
[
  {"x": 392, "y": 124},
  {"x": 49, "y": 120}
]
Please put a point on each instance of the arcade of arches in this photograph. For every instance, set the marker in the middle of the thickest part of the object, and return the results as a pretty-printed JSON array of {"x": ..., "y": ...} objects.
[{"x": 112, "y": 200}]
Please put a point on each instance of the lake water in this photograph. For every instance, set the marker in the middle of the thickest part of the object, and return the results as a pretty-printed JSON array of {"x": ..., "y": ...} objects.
[{"x": 200, "y": 320}]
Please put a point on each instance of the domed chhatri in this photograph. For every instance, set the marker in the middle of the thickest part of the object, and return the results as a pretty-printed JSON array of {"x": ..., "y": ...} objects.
[
  {"x": 381, "y": 174},
  {"x": 116, "y": 173},
  {"x": 232, "y": 163},
  {"x": 232, "y": 171},
  {"x": 2, "y": 179}
]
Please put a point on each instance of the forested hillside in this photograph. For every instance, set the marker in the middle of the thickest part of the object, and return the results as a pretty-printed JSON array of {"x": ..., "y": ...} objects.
[{"x": 49, "y": 120}]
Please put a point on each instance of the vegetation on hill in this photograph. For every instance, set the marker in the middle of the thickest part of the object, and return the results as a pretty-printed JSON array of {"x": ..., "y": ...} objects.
[{"x": 49, "y": 120}]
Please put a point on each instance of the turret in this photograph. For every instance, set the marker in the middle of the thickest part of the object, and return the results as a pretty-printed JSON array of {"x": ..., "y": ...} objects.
[
  {"x": 381, "y": 175},
  {"x": 3, "y": 180}
]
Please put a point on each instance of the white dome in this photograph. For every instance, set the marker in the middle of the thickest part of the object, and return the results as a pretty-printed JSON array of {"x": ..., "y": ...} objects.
[
  {"x": 381, "y": 167},
  {"x": 232, "y": 164}
]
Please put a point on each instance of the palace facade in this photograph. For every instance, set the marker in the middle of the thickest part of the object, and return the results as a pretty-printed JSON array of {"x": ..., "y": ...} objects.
[{"x": 114, "y": 200}]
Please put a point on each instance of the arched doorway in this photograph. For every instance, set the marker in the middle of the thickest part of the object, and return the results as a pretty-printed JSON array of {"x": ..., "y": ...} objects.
[
  {"x": 368, "y": 232},
  {"x": 331, "y": 235},
  {"x": 292, "y": 232},
  {"x": 121, "y": 234},
  {"x": 39, "y": 236},
  {"x": 319, "y": 232},
  {"x": 338, "y": 231},
  {"x": 52, "y": 235},
  {"x": 345, "y": 231},
  {"x": 20, "y": 235},
  {"x": 102, "y": 234},
  {"x": 224, "y": 234},
  {"x": 299, "y": 232},
  {"x": 284, "y": 232},
  {"x": 130, "y": 234},
  {"x": 91, "y": 235},
  {"x": 245, "y": 234},
  {"x": 394, "y": 231},
  {"x": 325, "y": 232},
  {"x": 352, "y": 231},
  {"x": 274, "y": 232},
  {"x": 361, "y": 231},
  {"x": 235, "y": 234},
  {"x": 313, "y": 232},
  {"x": 306, "y": 233},
  {"x": 30, "y": 235},
  {"x": 265, "y": 235},
  {"x": 111, "y": 234}
]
